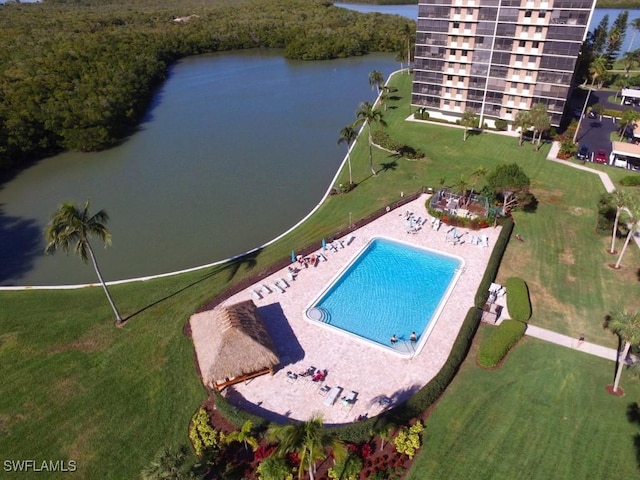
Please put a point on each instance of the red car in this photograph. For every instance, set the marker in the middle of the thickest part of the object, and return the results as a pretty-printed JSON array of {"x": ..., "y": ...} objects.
[{"x": 602, "y": 157}]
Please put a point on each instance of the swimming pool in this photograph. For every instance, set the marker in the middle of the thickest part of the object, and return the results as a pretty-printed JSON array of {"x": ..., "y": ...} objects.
[{"x": 389, "y": 288}]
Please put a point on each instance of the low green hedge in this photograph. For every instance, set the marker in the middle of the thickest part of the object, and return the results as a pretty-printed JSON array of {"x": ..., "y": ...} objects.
[
  {"x": 499, "y": 342},
  {"x": 630, "y": 181},
  {"x": 425, "y": 397},
  {"x": 518, "y": 301},
  {"x": 494, "y": 262}
]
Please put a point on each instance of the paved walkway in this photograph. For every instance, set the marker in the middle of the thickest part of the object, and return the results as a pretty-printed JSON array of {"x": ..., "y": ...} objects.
[{"x": 570, "y": 342}]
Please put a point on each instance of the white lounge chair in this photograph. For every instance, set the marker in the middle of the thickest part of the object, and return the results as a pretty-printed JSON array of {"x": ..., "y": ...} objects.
[
  {"x": 332, "y": 396},
  {"x": 277, "y": 286},
  {"x": 256, "y": 294},
  {"x": 291, "y": 276},
  {"x": 485, "y": 240},
  {"x": 265, "y": 288},
  {"x": 282, "y": 282}
]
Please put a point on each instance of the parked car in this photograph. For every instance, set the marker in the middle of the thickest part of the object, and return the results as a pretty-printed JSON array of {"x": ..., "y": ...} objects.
[
  {"x": 602, "y": 157},
  {"x": 583, "y": 153}
]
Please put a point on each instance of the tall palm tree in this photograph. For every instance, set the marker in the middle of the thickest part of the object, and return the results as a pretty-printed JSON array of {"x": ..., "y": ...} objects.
[
  {"x": 628, "y": 117},
  {"x": 635, "y": 25},
  {"x": 310, "y": 440},
  {"x": 633, "y": 213},
  {"x": 348, "y": 135},
  {"x": 407, "y": 32},
  {"x": 469, "y": 120},
  {"x": 368, "y": 115},
  {"x": 627, "y": 327},
  {"x": 598, "y": 68},
  {"x": 522, "y": 122},
  {"x": 540, "y": 121},
  {"x": 376, "y": 79},
  {"x": 70, "y": 229},
  {"x": 620, "y": 199}
]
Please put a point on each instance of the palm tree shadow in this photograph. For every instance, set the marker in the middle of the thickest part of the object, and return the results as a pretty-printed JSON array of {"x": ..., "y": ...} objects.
[
  {"x": 249, "y": 260},
  {"x": 388, "y": 166}
]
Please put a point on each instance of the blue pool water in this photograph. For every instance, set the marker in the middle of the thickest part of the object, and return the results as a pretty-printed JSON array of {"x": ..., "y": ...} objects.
[{"x": 390, "y": 288}]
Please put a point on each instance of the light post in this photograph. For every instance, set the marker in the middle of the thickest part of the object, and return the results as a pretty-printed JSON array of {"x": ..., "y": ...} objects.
[{"x": 584, "y": 108}]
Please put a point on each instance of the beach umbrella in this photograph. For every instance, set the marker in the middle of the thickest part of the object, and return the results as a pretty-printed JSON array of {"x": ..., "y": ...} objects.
[
  {"x": 324, "y": 244},
  {"x": 293, "y": 256}
]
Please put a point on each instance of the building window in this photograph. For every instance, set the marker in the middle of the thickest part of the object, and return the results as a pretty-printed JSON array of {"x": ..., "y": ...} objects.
[
  {"x": 519, "y": 58},
  {"x": 528, "y": 13},
  {"x": 458, "y": 10},
  {"x": 522, "y": 44},
  {"x": 456, "y": 24},
  {"x": 509, "y": 111},
  {"x": 464, "y": 53},
  {"x": 538, "y": 29},
  {"x": 536, "y": 45},
  {"x": 449, "y": 78}
]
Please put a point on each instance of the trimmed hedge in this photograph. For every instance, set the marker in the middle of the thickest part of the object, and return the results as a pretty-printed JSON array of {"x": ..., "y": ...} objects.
[
  {"x": 518, "y": 301},
  {"x": 499, "y": 342},
  {"x": 425, "y": 397},
  {"x": 630, "y": 181},
  {"x": 494, "y": 262}
]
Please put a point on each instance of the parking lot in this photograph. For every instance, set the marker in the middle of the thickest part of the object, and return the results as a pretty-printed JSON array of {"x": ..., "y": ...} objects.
[{"x": 595, "y": 131}]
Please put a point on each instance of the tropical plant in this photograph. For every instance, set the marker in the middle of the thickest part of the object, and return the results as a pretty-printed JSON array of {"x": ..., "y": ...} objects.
[
  {"x": 203, "y": 436},
  {"x": 469, "y": 120},
  {"x": 620, "y": 199},
  {"x": 348, "y": 135},
  {"x": 309, "y": 440},
  {"x": 347, "y": 469},
  {"x": 522, "y": 122},
  {"x": 632, "y": 211},
  {"x": 408, "y": 440},
  {"x": 376, "y": 79},
  {"x": 243, "y": 436},
  {"x": 540, "y": 122},
  {"x": 635, "y": 26},
  {"x": 168, "y": 465},
  {"x": 70, "y": 229},
  {"x": 274, "y": 468},
  {"x": 627, "y": 326},
  {"x": 628, "y": 117},
  {"x": 369, "y": 116},
  {"x": 598, "y": 68},
  {"x": 510, "y": 181}
]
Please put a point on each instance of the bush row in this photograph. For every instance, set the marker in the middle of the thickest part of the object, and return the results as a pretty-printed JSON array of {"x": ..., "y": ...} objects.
[
  {"x": 630, "y": 181},
  {"x": 499, "y": 342},
  {"x": 382, "y": 138},
  {"x": 518, "y": 301}
]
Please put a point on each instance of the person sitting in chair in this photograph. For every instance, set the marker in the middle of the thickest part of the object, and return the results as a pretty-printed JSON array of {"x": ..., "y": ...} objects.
[{"x": 319, "y": 376}]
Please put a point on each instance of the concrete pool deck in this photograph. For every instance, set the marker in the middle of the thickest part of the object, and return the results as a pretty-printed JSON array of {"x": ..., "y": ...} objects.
[{"x": 371, "y": 371}]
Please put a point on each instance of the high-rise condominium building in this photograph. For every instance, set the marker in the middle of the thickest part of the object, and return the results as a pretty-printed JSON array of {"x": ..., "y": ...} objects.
[{"x": 497, "y": 57}]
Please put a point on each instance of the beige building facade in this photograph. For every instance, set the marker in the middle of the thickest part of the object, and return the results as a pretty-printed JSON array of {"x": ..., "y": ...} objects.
[{"x": 497, "y": 57}]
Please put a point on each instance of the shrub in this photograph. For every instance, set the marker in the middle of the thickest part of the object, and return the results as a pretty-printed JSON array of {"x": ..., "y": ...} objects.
[
  {"x": 630, "y": 181},
  {"x": 409, "y": 439},
  {"x": 499, "y": 342},
  {"x": 567, "y": 148},
  {"x": 348, "y": 469},
  {"x": 501, "y": 124},
  {"x": 202, "y": 435},
  {"x": 518, "y": 302}
]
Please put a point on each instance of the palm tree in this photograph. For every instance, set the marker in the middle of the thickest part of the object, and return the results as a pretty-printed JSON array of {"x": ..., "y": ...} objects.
[
  {"x": 407, "y": 32},
  {"x": 633, "y": 212},
  {"x": 598, "y": 68},
  {"x": 635, "y": 25},
  {"x": 309, "y": 440},
  {"x": 376, "y": 79},
  {"x": 469, "y": 120},
  {"x": 70, "y": 229},
  {"x": 627, "y": 327},
  {"x": 348, "y": 135},
  {"x": 620, "y": 199},
  {"x": 522, "y": 122},
  {"x": 368, "y": 115},
  {"x": 628, "y": 117},
  {"x": 244, "y": 436},
  {"x": 540, "y": 121},
  {"x": 168, "y": 465}
]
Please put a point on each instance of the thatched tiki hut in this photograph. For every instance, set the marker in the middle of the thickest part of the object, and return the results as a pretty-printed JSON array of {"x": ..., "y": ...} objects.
[{"x": 232, "y": 344}]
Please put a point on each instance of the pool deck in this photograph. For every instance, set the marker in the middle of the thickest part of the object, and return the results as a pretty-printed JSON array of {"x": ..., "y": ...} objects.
[{"x": 373, "y": 372}]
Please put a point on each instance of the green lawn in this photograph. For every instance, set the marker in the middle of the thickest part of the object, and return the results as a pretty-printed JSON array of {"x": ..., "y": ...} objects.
[
  {"x": 543, "y": 415},
  {"x": 76, "y": 388}
]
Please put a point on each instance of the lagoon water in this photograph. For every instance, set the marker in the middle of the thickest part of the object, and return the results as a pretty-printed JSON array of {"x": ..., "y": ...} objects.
[{"x": 236, "y": 149}]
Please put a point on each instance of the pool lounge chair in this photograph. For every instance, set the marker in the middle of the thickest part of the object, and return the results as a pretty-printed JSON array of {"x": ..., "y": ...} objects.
[
  {"x": 265, "y": 289},
  {"x": 255, "y": 294},
  {"x": 291, "y": 377},
  {"x": 324, "y": 390},
  {"x": 332, "y": 396},
  {"x": 276, "y": 286},
  {"x": 283, "y": 283},
  {"x": 349, "y": 399}
]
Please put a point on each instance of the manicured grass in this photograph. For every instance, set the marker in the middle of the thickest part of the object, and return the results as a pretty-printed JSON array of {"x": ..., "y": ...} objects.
[
  {"x": 543, "y": 414},
  {"x": 74, "y": 387}
]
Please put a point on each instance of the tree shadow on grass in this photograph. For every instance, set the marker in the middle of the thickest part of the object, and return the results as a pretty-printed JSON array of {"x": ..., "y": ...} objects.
[
  {"x": 633, "y": 416},
  {"x": 248, "y": 260}
]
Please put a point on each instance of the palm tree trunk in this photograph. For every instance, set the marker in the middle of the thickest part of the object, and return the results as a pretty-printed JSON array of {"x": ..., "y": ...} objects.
[
  {"x": 520, "y": 139},
  {"x": 119, "y": 320},
  {"x": 615, "y": 230},
  {"x": 350, "y": 175},
  {"x": 624, "y": 247},
  {"x": 621, "y": 360},
  {"x": 371, "y": 152}
]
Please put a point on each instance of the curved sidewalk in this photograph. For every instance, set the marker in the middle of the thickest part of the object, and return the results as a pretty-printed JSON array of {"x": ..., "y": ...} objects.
[{"x": 570, "y": 342}]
